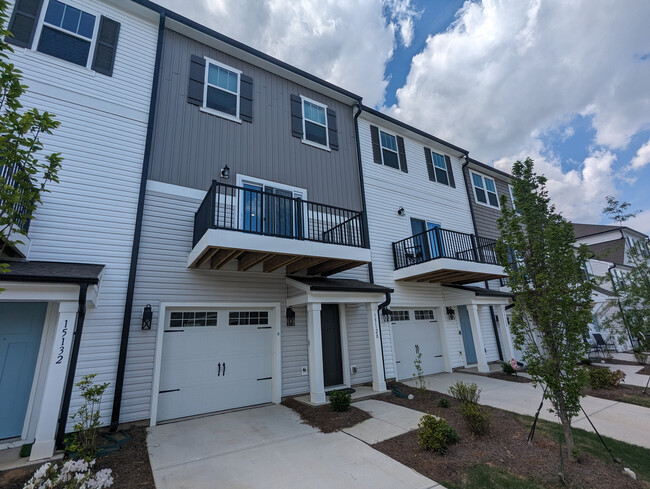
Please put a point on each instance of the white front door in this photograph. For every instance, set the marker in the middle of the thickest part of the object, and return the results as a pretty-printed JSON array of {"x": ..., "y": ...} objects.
[
  {"x": 214, "y": 360},
  {"x": 416, "y": 331}
]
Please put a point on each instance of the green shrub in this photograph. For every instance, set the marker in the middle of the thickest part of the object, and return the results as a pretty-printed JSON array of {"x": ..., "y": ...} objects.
[
  {"x": 476, "y": 418},
  {"x": 82, "y": 443},
  {"x": 586, "y": 361},
  {"x": 640, "y": 356},
  {"x": 465, "y": 393},
  {"x": 443, "y": 402},
  {"x": 340, "y": 401},
  {"x": 604, "y": 378},
  {"x": 506, "y": 368},
  {"x": 435, "y": 434}
]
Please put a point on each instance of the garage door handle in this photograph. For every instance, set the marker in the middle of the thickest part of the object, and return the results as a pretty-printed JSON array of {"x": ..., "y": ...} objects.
[
  {"x": 398, "y": 361},
  {"x": 224, "y": 369},
  {"x": 219, "y": 371},
  {"x": 265, "y": 378},
  {"x": 438, "y": 356}
]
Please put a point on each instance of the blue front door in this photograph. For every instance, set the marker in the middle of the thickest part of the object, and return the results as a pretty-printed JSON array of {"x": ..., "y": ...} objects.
[
  {"x": 21, "y": 328},
  {"x": 420, "y": 248},
  {"x": 468, "y": 338}
]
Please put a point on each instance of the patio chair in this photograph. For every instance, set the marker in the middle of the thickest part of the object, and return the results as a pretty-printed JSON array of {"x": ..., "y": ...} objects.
[
  {"x": 593, "y": 347},
  {"x": 413, "y": 254},
  {"x": 603, "y": 345}
]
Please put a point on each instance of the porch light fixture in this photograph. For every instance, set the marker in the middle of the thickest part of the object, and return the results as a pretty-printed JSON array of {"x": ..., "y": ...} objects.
[
  {"x": 401, "y": 211},
  {"x": 450, "y": 313},
  {"x": 147, "y": 315},
  {"x": 387, "y": 314},
  {"x": 225, "y": 172},
  {"x": 291, "y": 317}
]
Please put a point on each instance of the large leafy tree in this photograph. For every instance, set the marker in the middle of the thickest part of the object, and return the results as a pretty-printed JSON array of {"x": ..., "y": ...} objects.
[
  {"x": 552, "y": 306},
  {"x": 24, "y": 170}
]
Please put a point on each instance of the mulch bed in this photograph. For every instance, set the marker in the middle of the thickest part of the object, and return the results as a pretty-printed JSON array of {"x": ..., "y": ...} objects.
[
  {"x": 612, "y": 361},
  {"x": 323, "y": 418},
  {"x": 645, "y": 370},
  {"x": 130, "y": 465},
  {"x": 502, "y": 376},
  {"x": 504, "y": 446}
]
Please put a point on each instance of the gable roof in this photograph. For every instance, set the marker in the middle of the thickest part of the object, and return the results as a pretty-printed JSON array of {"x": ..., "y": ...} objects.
[
  {"x": 582, "y": 230},
  {"x": 48, "y": 271},
  {"x": 611, "y": 251}
]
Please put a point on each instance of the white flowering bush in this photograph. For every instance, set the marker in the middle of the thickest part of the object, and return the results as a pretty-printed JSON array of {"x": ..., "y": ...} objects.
[{"x": 73, "y": 474}]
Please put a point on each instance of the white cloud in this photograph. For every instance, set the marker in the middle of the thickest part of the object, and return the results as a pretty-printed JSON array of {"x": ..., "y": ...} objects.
[
  {"x": 642, "y": 157},
  {"x": 641, "y": 222},
  {"x": 345, "y": 42}
]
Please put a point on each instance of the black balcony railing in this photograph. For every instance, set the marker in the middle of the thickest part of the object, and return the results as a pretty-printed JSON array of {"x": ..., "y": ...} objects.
[
  {"x": 7, "y": 173},
  {"x": 442, "y": 243},
  {"x": 272, "y": 214}
]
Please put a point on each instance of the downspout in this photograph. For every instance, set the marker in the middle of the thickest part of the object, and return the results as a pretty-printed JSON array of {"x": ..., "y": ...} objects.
[
  {"x": 381, "y": 336},
  {"x": 359, "y": 108},
  {"x": 469, "y": 195},
  {"x": 72, "y": 369},
  {"x": 130, "y": 289}
]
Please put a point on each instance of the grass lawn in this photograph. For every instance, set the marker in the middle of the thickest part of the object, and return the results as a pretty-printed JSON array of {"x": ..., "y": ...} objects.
[
  {"x": 491, "y": 477},
  {"x": 638, "y": 400}
]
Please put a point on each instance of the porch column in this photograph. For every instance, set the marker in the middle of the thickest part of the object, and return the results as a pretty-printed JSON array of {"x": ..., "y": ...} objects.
[
  {"x": 504, "y": 328},
  {"x": 475, "y": 323},
  {"x": 315, "y": 349},
  {"x": 376, "y": 355},
  {"x": 442, "y": 324},
  {"x": 57, "y": 368}
]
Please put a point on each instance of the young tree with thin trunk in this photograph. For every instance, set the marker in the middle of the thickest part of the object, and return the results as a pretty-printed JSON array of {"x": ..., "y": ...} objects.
[
  {"x": 24, "y": 171},
  {"x": 552, "y": 306}
]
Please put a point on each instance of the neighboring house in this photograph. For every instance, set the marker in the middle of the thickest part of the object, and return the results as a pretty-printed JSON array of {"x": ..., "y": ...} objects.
[
  {"x": 425, "y": 247},
  {"x": 610, "y": 245},
  {"x": 91, "y": 64},
  {"x": 253, "y": 198}
]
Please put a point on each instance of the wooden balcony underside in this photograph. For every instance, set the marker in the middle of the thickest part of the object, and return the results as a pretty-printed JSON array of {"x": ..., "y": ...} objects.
[
  {"x": 215, "y": 258},
  {"x": 452, "y": 277}
]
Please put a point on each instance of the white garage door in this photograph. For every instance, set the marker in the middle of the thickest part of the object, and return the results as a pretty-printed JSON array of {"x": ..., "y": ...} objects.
[
  {"x": 416, "y": 330},
  {"x": 214, "y": 360}
]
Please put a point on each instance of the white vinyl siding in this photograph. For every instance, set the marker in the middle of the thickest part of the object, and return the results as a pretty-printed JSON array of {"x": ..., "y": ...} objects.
[{"x": 89, "y": 216}]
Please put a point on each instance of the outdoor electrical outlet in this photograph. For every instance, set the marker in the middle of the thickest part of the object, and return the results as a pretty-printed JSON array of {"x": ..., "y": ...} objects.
[
  {"x": 303, "y": 370},
  {"x": 353, "y": 369}
]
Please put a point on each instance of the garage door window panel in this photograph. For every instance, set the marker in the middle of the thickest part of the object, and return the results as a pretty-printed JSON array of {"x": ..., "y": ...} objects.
[{"x": 248, "y": 318}]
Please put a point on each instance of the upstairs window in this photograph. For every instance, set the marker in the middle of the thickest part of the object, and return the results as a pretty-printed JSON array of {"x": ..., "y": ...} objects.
[
  {"x": 440, "y": 167},
  {"x": 389, "y": 149},
  {"x": 485, "y": 190},
  {"x": 314, "y": 117},
  {"x": 222, "y": 89},
  {"x": 67, "y": 33}
]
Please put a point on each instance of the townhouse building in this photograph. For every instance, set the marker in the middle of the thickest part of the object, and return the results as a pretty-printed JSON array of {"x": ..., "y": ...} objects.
[
  {"x": 426, "y": 247},
  {"x": 91, "y": 64}
]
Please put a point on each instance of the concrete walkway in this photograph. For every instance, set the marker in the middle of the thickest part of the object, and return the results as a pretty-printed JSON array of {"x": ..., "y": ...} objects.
[
  {"x": 631, "y": 375},
  {"x": 269, "y": 447},
  {"x": 617, "y": 420},
  {"x": 388, "y": 420}
]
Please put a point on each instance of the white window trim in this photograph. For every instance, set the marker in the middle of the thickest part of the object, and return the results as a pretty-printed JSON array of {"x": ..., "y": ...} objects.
[
  {"x": 209, "y": 110},
  {"x": 446, "y": 169},
  {"x": 512, "y": 196},
  {"x": 382, "y": 147},
  {"x": 498, "y": 206},
  {"x": 326, "y": 147},
  {"x": 93, "y": 41}
]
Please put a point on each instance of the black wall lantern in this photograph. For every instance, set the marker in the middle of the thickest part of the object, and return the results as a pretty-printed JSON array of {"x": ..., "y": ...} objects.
[
  {"x": 225, "y": 172},
  {"x": 451, "y": 314},
  {"x": 291, "y": 317},
  {"x": 387, "y": 314},
  {"x": 147, "y": 316},
  {"x": 401, "y": 211}
]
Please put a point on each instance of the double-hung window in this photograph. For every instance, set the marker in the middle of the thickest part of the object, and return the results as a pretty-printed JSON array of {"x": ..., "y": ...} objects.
[
  {"x": 314, "y": 117},
  {"x": 485, "y": 190},
  {"x": 67, "y": 33},
  {"x": 440, "y": 167},
  {"x": 389, "y": 153},
  {"x": 222, "y": 89}
]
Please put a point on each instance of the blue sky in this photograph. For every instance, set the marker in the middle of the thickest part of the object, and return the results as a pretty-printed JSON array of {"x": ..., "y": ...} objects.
[{"x": 566, "y": 83}]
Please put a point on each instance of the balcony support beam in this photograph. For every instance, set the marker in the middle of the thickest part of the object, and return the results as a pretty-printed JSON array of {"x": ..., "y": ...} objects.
[
  {"x": 304, "y": 262},
  {"x": 222, "y": 257},
  {"x": 249, "y": 259},
  {"x": 279, "y": 261}
]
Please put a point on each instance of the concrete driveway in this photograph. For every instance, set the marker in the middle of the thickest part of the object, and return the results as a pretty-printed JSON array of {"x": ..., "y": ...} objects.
[
  {"x": 268, "y": 447},
  {"x": 618, "y": 420}
]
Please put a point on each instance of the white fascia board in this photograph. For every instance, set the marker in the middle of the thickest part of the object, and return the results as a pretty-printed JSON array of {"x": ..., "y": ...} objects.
[
  {"x": 447, "y": 264},
  {"x": 44, "y": 292},
  {"x": 238, "y": 240},
  {"x": 337, "y": 297}
]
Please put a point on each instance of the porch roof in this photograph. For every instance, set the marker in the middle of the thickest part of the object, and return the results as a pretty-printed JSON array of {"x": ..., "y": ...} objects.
[
  {"x": 53, "y": 272},
  {"x": 340, "y": 285},
  {"x": 480, "y": 291}
]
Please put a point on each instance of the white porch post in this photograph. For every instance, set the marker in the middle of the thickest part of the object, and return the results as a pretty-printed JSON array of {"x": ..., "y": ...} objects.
[
  {"x": 442, "y": 322},
  {"x": 478, "y": 338},
  {"x": 57, "y": 369},
  {"x": 315, "y": 348},
  {"x": 376, "y": 355},
  {"x": 508, "y": 349}
]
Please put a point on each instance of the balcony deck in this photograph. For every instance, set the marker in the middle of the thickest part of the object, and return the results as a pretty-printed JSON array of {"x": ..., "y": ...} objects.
[
  {"x": 271, "y": 231},
  {"x": 444, "y": 256}
]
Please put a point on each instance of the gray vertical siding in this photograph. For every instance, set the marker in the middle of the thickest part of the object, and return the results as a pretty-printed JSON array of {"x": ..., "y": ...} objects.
[
  {"x": 190, "y": 147},
  {"x": 486, "y": 217}
]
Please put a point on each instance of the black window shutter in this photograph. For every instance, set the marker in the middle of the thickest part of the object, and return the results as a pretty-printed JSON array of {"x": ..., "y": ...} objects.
[
  {"x": 429, "y": 160},
  {"x": 246, "y": 98},
  {"x": 296, "y": 116},
  {"x": 402, "y": 154},
  {"x": 104, "y": 58},
  {"x": 376, "y": 148},
  {"x": 197, "y": 80},
  {"x": 23, "y": 22},
  {"x": 332, "y": 130},
  {"x": 450, "y": 172}
]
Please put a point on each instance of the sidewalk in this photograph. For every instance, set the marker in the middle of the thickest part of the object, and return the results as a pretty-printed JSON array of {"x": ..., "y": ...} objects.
[
  {"x": 631, "y": 375},
  {"x": 617, "y": 420}
]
